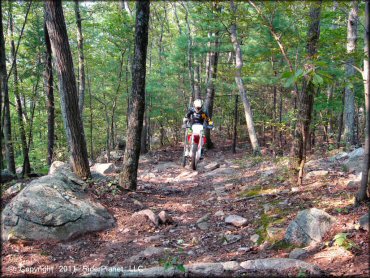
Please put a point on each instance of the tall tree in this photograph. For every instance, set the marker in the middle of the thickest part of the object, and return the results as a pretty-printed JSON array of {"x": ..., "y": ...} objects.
[
  {"x": 48, "y": 80},
  {"x": 307, "y": 93},
  {"x": 128, "y": 176},
  {"x": 81, "y": 58},
  {"x": 5, "y": 93},
  {"x": 26, "y": 169},
  {"x": 349, "y": 99},
  {"x": 239, "y": 83},
  {"x": 363, "y": 193},
  {"x": 212, "y": 58},
  {"x": 56, "y": 27}
]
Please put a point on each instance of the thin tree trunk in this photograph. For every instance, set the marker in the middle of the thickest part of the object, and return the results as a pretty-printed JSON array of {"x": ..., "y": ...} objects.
[
  {"x": 349, "y": 101},
  {"x": 239, "y": 82},
  {"x": 128, "y": 176},
  {"x": 306, "y": 96},
  {"x": 48, "y": 77},
  {"x": 26, "y": 169},
  {"x": 235, "y": 135},
  {"x": 363, "y": 193},
  {"x": 5, "y": 93},
  {"x": 81, "y": 59},
  {"x": 91, "y": 116},
  {"x": 190, "y": 52},
  {"x": 340, "y": 123},
  {"x": 67, "y": 86},
  {"x": 211, "y": 77},
  {"x": 281, "y": 118}
]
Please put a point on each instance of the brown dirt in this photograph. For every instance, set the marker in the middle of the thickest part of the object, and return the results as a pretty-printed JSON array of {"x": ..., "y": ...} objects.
[{"x": 186, "y": 201}]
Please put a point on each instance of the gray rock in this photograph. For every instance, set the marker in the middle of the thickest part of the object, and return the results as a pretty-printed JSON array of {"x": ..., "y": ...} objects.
[
  {"x": 149, "y": 214},
  {"x": 204, "y": 218},
  {"x": 319, "y": 173},
  {"x": 18, "y": 171},
  {"x": 97, "y": 176},
  {"x": 278, "y": 264},
  {"x": 267, "y": 208},
  {"x": 356, "y": 153},
  {"x": 254, "y": 238},
  {"x": 53, "y": 207},
  {"x": 267, "y": 173},
  {"x": 228, "y": 239},
  {"x": 219, "y": 213},
  {"x": 364, "y": 222},
  {"x": 212, "y": 166},
  {"x": 164, "y": 218},
  {"x": 205, "y": 270},
  {"x": 231, "y": 266},
  {"x": 236, "y": 220},
  {"x": 297, "y": 253},
  {"x": 203, "y": 226},
  {"x": 59, "y": 166},
  {"x": 353, "y": 184},
  {"x": 148, "y": 253},
  {"x": 309, "y": 227},
  {"x": 103, "y": 168},
  {"x": 15, "y": 189}
]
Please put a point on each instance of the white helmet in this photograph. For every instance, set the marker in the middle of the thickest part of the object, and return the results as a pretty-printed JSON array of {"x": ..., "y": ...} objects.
[{"x": 198, "y": 103}]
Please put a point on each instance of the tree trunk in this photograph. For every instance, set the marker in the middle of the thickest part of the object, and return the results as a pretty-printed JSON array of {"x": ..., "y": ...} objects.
[
  {"x": 340, "y": 123},
  {"x": 128, "y": 176},
  {"x": 48, "y": 79},
  {"x": 211, "y": 77},
  {"x": 363, "y": 193},
  {"x": 235, "y": 136},
  {"x": 56, "y": 27},
  {"x": 306, "y": 96},
  {"x": 349, "y": 101},
  {"x": 190, "y": 53},
  {"x": 26, "y": 169},
  {"x": 5, "y": 93},
  {"x": 81, "y": 59},
  {"x": 239, "y": 82}
]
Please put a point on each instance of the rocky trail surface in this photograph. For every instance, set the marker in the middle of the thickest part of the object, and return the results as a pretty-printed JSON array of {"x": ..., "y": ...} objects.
[{"x": 228, "y": 218}]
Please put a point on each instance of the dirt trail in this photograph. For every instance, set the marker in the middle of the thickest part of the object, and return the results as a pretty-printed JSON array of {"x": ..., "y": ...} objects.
[{"x": 187, "y": 196}]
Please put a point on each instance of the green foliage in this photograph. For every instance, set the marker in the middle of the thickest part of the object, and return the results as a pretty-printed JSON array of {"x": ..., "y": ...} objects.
[{"x": 342, "y": 240}]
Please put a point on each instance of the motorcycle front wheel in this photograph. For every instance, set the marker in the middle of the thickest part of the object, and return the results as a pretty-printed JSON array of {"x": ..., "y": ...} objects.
[{"x": 194, "y": 156}]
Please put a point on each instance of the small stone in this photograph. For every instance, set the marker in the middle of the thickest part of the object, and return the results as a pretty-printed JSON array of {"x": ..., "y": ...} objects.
[
  {"x": 319, "y": 173},
  {"x": 204, "y": 218},
  {"x": 267, "y": 208},
  {"x": 164, "y": 218},
  {"x": 150, "y": 214},
  {"x": 254, "y": 238},
  {"x": 244, "y": 249},
  {"x": 137, "y": 202},
  {"x": 297, "y": 253},
  {"x": 219, "y": 213},
  {"x": 229, "y": 186},
  {"x": 236, "y": 220},
  {"x": 228, "y": 239},
  {"x": 203, "y": 226},
  {"x": 352, "y": 184},
  {"x": 295, "y": 189},
  {"x": 364, "y": 222}
]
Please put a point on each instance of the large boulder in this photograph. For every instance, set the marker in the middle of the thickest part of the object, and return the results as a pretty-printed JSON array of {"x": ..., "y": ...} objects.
[
  {"x": 53, "y": 207},
  {"x": 355, "y": 160},
  {"x": 309, "y": 227},
  {"x": 280, "y": 264}
]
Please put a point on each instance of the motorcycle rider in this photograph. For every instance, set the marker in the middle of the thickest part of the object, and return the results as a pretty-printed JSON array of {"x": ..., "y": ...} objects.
[{"x": 196, "y": 115}]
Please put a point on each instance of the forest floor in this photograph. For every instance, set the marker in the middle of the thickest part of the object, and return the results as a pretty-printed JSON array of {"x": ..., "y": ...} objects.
[{"x": 259, "y": 189}]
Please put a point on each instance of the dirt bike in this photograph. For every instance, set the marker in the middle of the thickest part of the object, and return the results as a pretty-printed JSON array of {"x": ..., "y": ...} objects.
[{"x": 193, "y": 145}]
